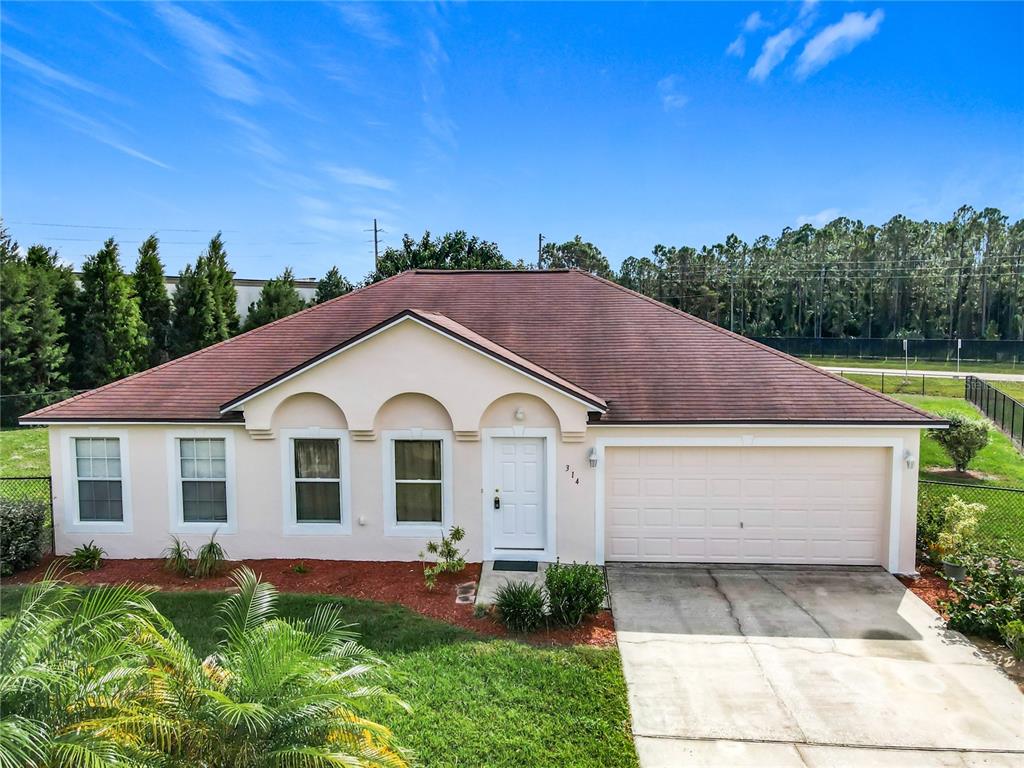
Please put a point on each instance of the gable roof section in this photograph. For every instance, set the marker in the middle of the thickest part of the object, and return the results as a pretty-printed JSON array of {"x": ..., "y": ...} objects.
[
  {"x": 648, "y": 362},
  {"x": 449, "y": 328}
]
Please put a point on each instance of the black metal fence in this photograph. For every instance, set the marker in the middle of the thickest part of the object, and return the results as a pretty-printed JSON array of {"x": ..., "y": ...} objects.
[
  {"x": 1007, "y": 413},
  {"x": 1002, "y": 525},
  {"x": 38, "y": 489},
  {"x": 895, "y": 383},
  {"x": 933, "y": 350}
]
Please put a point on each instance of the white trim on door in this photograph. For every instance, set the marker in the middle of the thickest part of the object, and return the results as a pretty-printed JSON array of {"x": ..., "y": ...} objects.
[
  {"x": 487, "y": 436},
  {"x": 895, "y": 444}
]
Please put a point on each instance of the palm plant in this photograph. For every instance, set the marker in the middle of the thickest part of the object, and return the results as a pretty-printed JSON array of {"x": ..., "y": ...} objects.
[
  {"x": 278, "y": 692},
  {"x": 72, "y": 671}
]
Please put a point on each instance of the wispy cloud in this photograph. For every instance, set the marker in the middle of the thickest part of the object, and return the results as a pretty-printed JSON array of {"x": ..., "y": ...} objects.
[
  {"x": 837, "y": 40},
  {"x": 366, "y": 20},
  {"x": 754, "y": 22},
  {"x": 737, "y": 47},
  {"x": 227, "y": 66},
  {"x": 440, "y": 128},
  {"x": 819, "y": 219},
  {"x": 669, "y": 92},
  {"x": 777, "y": 47},
  {"x": 359, "y": 177},
  {"x": 255, "y": 139},
  {"x": 54, "y": 77}
]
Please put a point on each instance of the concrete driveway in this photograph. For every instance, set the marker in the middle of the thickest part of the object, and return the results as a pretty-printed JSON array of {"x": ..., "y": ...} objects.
[{"x": 777, "y": 666}]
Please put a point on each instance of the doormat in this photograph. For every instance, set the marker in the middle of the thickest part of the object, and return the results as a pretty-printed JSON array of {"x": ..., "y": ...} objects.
[{"x": 516, "y": 565}]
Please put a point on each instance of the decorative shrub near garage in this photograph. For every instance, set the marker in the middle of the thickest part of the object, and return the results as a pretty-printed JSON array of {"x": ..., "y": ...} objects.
[
  {"x": 21, "y": 533},
  {"x": 574, "y": 592},
  {"x": 990, "y": 596}
]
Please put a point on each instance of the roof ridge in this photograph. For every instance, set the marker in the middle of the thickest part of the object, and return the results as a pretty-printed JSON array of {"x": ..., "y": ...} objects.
[{"x": 756, "y": 344}]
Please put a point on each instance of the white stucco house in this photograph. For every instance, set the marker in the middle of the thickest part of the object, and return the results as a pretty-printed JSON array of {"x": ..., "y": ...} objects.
[{"x": 550, "y": 414}]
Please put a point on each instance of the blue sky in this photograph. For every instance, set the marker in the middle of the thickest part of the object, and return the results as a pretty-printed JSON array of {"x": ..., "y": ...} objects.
[{"x": 289, "y": 126}]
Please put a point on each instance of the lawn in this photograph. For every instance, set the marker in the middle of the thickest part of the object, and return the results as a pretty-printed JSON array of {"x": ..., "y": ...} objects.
[
  {"x": 921, "y": 365},
  {"x": 1014, "y": 389},
  {"x": 475, "y": 702},
  {"x": 896, "y": 384},
  {"x": 24, "y": 452}
]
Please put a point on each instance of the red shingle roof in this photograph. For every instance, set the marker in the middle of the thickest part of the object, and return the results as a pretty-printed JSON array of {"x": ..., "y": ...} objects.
[{"x": 649, "y": 362}]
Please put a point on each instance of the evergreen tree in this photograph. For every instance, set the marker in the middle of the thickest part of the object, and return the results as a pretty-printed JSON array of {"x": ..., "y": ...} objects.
[
  {"x": 576, "y": 254},
  {"x": 196, "y": 322},
  {"x": 154, "y": 303},
  {"x": 331, "y": 286},
  {"x": 45, "y": 263},
  {"x": 222, "y": 283},
  {"x": 277, "y": 299},
  {"x": 114, "y": 339},
  {"x": 15, "y": 316},
  {"x": 452, "y": 250}
]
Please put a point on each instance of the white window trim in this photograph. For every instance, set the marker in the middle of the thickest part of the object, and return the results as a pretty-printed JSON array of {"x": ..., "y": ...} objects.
[
  {"x": 894, "y": 444},
  {"x": 416, "y": 530},
  {"x": 177, "y": 518},
  {"x": 72, "y": 522},
  {"x": 292, "y": 526},
  {"x": 548, "y": 435}
]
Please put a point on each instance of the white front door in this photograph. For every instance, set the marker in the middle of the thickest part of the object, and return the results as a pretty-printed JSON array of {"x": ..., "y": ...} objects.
[{"x": 519, "y": 519}]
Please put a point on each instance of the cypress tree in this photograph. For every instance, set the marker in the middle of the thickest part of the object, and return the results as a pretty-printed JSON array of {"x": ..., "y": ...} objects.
[
  {"x": 15, "y": 365},
  {"x": 154, "y": 303},
  {"x": 222, "y": 284},
  {"x": 196, "y": 322},
  {"x": 332, "y": 285},
  {"x": 277, "y": 299},
  {"x": 114, "y": 340}
]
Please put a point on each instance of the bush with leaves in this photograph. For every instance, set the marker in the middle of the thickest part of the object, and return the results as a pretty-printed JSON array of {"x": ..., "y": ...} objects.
[
  {"x": 520, "y": 606},
  {"x": 960, "y": 521},
  {"x": 21, "y": 534},
  {"x": 574, "y": 592},
  {"x": 209, "y": 559},
  {"x": 990, "y": 596},
  {"x": 178, "y": 557},
  {"x": 450, "y": 559},
  {"x": 86, "y": 557},
  {"x": 1013, "y": 635},
  {"x": 962, "y": 439}
]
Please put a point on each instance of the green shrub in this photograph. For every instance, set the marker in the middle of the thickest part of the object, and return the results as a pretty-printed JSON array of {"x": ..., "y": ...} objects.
[
  {"x": 520, "y": 606},
  {"x": 574, "y": 592},
  {"x": 449, "y": 558},
  {"x": 301, "y": 568},
  {"x": 87, "y": 557},
  {"x": 1013, "y": 636},
  {"x": 960, "y": 522},
  {"x": 21, "y": 534},
  {"x": 962, "y": 439},
  {"x": 931, "y": 519},
  {"x": 989, "y": 597},
  {"x": 178, "y": 557},
  {"x": 209, "y": 559}
]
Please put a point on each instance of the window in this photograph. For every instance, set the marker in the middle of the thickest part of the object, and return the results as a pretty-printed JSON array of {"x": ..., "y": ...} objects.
[
  {"x": 98, "y": 472},
  {"x": 418, "y": 481},
  {"x": 203, "y": 473},
  {"x": 317, "y": 467}
]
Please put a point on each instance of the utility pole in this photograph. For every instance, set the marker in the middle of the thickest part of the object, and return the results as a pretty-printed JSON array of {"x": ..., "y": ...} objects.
[
  {"x": 540, "y": 248},
  {"x": 376, "y": 252}
]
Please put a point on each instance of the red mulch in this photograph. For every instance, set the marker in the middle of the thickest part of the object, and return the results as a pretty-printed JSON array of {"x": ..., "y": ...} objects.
[
  {"x": 930, "y": 587},
  {"x": 388, "y": 582}
]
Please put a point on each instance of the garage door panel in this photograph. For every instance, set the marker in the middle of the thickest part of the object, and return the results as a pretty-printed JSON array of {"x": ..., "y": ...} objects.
[{"x": 789, "y": 505}]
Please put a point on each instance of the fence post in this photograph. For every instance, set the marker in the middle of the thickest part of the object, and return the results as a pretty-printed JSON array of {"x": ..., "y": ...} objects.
[
  {"x": 883, "y": 382},
  {"x": 53, "y": 530},
  {"x": 922, "y": 383}
]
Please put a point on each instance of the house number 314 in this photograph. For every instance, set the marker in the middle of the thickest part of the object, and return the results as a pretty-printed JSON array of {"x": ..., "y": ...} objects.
[{"x": 572, "y": 474}]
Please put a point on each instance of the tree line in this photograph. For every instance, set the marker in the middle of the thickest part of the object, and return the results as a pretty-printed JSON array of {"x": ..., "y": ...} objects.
[{"x": 905, "y": 279}]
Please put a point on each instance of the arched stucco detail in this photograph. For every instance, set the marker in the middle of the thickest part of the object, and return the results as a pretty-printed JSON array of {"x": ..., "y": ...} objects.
[
  {"x": 412, "y": 410},
  {"x": 502, "y": 412},
  {"x": 308, "y": 409}
]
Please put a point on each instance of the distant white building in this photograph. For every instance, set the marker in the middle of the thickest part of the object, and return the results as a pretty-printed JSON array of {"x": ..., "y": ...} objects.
[{"x": 248, "y": 291}]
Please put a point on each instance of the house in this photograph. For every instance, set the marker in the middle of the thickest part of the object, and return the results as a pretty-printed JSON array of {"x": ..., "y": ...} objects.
[{"x": 550, "y": 414}]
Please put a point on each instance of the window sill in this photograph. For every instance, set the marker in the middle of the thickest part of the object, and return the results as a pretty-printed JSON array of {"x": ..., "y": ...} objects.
[{"x": 96, "y": 526}]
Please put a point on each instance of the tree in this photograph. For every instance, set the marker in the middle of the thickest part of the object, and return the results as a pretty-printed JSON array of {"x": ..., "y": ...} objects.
[
  {"x": 331, "y": 286},
  {"x": 575, "y": 254},
  {"x": 154, "y": 303},
  {"x": 195, "y": 323},
  {"x": 962, "y": 439},
  {"x": 277, "y": 299},
  {"x": 453, "y": 250},
  {"x": 222, "y": 283},
  {"x": 114, "y": 340}
]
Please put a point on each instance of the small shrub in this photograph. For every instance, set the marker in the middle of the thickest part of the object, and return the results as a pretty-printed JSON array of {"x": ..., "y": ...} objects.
[
  {"x": 1013, "y": 636},
  {"x": 300, "y": 568},
  {"x": 209, "y": 559},
  {"x": 449, "y": 558},
  {"x": 480, "y": 611},
  {"x": 574, "y": 592},
  {"x": 962, "y": 440},
  {"x": 960, "y": 521},
  {"x": 87, "y": 557},
  {"x": 989, "y": 597},
  {"x": 178, "y": 557},
  {"x": 21, "y": 534},
  {"x": 520, "y": 606}
]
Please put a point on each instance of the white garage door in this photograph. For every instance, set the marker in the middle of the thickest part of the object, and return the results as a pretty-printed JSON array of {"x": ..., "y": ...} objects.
[{"x": 746, "y": 505}]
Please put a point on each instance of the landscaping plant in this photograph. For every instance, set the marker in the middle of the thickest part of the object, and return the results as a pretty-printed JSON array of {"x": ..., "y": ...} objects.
[
  {"x": 178, "y": 557},
  {"x": 574, "y": 592},
  {"x": 960, "y": 521},
  {"x": 520, "y": 606},
  {"x": 990, "y": 597},
  {"x": 301, "y": 568},
  {"x": 449, "y": 559},
  {"x": 21, "y": 534},
  {"x": 962, "y": 440},
  {"x": 1013, "y": 635},
  {"x": 209, "y": 559},
  {"x": 87, "y": 557}
]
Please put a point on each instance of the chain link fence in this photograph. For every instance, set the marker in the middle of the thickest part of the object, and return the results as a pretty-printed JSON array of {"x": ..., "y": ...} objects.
[
  {"x": 31, "y": 489},
  {"x": 933, "y": 350},
  {"x": 1002, "y": 525}
]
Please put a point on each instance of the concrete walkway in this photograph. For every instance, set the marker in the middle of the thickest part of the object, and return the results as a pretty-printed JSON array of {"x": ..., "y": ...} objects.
[
  {"x": 929, "y": 374},
  {"x": 776, "y": 666}
]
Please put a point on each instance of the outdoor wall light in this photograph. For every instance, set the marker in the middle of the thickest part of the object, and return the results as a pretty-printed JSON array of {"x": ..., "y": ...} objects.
[
  {"x": 908, "y": 459},
  {"x": 520, "y": 414},
  {"x": 592, "y": 457}
]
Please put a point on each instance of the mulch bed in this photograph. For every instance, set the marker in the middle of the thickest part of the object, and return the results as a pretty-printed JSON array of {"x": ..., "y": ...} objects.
[
  {"x": 388, "y": 582},
  {"x": 930, "y": 587}
]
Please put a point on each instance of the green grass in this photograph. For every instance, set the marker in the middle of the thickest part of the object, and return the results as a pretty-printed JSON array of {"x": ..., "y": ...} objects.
[
  {"x": 1014, "y": 389},
  {"x": 894, "y": 384},
  {"x": 920, "y": 365},
  {"x": 475, "y": 702},
  {"x": 24, "y": 452}
]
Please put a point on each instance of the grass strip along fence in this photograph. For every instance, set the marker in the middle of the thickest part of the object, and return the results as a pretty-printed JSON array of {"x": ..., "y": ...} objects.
[
  {"x": 1000, "y": 528},
  {"x": 915, "y": 384},
  {"x": 1005, "y": 412}
]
